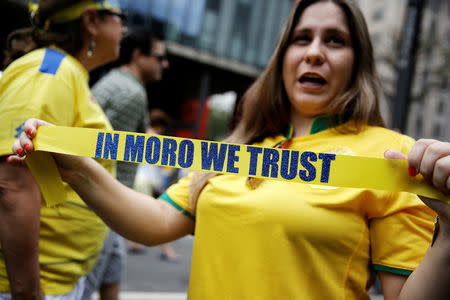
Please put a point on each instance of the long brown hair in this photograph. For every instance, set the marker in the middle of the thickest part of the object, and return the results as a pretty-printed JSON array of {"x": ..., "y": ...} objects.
[
  {"x": 67, "y": 36},
  {"x": 269, "y": 112}
]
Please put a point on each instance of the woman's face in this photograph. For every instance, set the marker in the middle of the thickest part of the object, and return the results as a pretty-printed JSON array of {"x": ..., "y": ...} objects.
[
  {"x": 318, "y": 64},
  {"x": 110, "y": 32}
]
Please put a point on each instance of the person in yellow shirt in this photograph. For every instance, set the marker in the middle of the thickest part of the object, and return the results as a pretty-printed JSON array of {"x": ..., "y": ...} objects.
[
  {"x": 50, "y": 240},
  {"x": 263, "y": 239}
]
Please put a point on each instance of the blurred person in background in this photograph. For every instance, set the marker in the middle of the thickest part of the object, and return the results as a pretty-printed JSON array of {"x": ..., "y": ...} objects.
[
  {"x": 267, "y": 239},
  {"x": 153, "y": 180},
  {"x": 48, "y": 248},
  {"x": 122, "y": 95}
]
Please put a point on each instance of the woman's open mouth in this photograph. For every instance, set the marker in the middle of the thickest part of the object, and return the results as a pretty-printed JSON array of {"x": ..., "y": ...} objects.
[{"x": 312, "y": 81}]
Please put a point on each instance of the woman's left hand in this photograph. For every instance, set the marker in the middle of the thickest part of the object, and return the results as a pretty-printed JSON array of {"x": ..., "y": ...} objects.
[{"x": 431, "y": 158}]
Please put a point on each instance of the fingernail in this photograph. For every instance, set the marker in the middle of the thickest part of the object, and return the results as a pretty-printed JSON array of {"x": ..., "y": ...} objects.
[
  {"x": 8, "y": 159},
  {"x": 29, "y": 131},
  {"x": 428, "y": 181},
  {"x": 26, "y": 146},
  {"x": 19, "y": 151},
  {"x": 412, "y": 171}
]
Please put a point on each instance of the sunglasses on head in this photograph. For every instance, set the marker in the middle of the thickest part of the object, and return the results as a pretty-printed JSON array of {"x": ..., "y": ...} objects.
[{"x": 108, "y": 12}]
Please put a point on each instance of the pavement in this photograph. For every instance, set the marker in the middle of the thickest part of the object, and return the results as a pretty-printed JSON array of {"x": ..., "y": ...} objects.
[
  {"x": 171, "y": 296},
  {"x": 147, "y": 277},
  {"x": 148, "y": 273}
]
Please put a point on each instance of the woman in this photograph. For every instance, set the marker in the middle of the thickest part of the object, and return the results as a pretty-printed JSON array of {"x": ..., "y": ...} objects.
[
  {"x": 273, "y": 240},
  {"x": 46, "y": 250}
]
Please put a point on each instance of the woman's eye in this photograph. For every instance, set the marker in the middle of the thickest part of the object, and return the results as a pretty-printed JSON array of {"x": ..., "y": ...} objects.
[
  {"x": 335, "y": 40},
  {"x": 301, "y": 39}
]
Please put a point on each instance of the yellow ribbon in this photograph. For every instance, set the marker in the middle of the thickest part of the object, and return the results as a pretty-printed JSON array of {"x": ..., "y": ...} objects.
[{"x": 244, "y": 160}]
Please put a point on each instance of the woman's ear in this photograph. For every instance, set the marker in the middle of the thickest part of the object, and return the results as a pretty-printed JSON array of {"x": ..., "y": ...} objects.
[{"x": 90, "y": 21}]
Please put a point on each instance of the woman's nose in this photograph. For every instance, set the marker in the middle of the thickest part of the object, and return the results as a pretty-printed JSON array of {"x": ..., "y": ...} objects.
[{"x": 314, "y": 54}]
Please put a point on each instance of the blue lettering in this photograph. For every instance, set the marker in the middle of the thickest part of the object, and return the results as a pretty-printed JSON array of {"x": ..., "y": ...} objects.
[
  {"x": 152, "y": 150},
  {"x": 289, "y": 171},
  {"x": 308, "y": 166},
  {"x": 232, "y": 158},
  {"x": 111, "y": 146},
  {"x": 254, "y": 151},
  {"x": 326, "y": 163},
  {"x": 186, "y": 154},
  {"x": 98, "y": 149},
  {"x": 269, "y": 165},
  {"x": 213, "y": 156},
  {"x": 133, "y": 148},
  {"x": 168, "y": 150}
]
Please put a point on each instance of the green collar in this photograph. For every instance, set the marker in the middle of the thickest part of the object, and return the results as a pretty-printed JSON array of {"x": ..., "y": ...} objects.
[
  {"x": 320, "y": 124},
  {"x": 289, "y": 132},
  {"x": 327, "y": 122}
]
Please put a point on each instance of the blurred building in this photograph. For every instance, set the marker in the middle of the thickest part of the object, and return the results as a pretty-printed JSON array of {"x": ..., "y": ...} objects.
[
  {"x": 235, "y": 35},
  {"x": 429, "y": 115},
  {"x": 429, "y": 109},
  {"x": 215, "y": 46},
  {"x": 219, "y": 45}
]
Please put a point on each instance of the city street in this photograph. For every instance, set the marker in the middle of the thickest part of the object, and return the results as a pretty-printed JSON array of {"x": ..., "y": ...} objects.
[{"x": 149, "y": 277}]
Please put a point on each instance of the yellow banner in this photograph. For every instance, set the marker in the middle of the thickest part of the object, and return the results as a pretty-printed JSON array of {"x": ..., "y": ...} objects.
[{"x": 245, "y": 160}]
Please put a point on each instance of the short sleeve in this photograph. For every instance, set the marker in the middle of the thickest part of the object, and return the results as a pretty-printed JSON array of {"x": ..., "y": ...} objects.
[
  {"x": 53, "y": 100},
  {"x": 400, "y": 238},
  {"x": 401, "y": 228},
  {"x": 178, "y": 196}
]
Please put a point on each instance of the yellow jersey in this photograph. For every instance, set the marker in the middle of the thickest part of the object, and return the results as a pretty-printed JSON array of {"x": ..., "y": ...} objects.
[
  {"x": 299, "y": 241},
  {"x": 53, "y": 86}
]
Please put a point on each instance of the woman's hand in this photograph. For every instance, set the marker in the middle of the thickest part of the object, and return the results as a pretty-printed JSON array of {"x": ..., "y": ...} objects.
[
  {"x": 126, "y": 211},
  {"x": 431, "y": 158},
  {"x": 24, "y": 144},
  {"x": 67, "y": 164}
]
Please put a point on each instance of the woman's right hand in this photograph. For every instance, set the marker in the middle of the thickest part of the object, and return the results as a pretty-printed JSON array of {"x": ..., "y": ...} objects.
[{"x": 67, "y": 164}]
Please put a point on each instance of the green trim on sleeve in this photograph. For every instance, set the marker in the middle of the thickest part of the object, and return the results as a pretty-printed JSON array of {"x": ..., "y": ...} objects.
[
  {"x": 392, "y": 270},
  {"x": 166, "y": 198}
]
